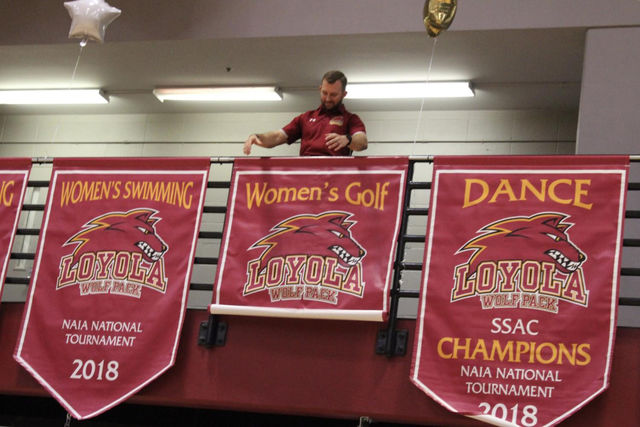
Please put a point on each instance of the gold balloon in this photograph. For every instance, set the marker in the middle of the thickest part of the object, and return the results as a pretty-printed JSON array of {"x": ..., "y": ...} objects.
[{"x": 438, "y": 15}]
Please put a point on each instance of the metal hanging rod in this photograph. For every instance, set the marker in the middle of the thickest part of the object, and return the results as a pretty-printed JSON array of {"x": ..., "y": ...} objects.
[{"x": 230, "y": 159}]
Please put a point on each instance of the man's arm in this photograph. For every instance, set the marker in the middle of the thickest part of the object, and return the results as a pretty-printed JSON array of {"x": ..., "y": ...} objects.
[
  {"x": 359, "y": 142},
  {"x": 267, "y": 140}
]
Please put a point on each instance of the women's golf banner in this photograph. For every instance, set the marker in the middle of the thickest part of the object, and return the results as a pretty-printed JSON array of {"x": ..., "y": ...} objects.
[
  {"x": 517, "y": 312},
  {"x": 310, "y": 237},
  {"x": 14, "y": 174},
  {"x": 111, "y": 276}
]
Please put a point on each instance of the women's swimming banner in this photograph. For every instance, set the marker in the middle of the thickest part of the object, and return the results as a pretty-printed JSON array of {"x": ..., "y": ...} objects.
[
  {"x": 310, "y": 237},
  {"x": 517, "y": 311},
  {"x": 109, "y": 287},
  {"x": 14, "y": 174}
]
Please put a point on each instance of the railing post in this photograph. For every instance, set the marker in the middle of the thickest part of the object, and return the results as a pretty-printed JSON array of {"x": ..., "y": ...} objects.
[{"x": 389, "y": 341}]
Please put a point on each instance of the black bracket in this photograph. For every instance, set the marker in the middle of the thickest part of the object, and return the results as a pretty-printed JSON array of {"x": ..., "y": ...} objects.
[
  {"x": 398, "y": 344},
  {"x": 213, "y": 332}
]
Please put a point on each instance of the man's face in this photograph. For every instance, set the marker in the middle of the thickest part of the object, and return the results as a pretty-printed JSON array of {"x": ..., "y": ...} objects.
[{"x": 331, "y": 94}]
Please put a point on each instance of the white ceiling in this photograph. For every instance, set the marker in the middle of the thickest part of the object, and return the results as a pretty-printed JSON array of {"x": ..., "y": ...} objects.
[{"x": 510, "y": 69}]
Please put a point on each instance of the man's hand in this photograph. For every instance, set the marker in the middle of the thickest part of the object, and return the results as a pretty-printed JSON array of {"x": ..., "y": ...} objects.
[
  {"x": 266, "y": 140},
  {"x": 253, "y": 139},
  {"x": 335, "y": 141}
]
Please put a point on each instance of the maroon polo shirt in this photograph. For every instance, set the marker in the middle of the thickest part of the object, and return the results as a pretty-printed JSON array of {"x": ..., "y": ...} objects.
[{"x": 312, "y": 126}]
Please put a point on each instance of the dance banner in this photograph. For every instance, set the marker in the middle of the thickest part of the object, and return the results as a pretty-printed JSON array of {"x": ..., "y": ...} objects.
[
  {"x": 111, "y": 276},
  {"x": 310, "y": 237},
  {"x": 517, "y": 312},
  {"x": 14, "y": 174}
]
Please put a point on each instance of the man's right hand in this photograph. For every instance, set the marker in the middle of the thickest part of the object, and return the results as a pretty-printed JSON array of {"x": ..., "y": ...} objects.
[
  {"x": 266, "y": 140},
  {"x": 253, "y": 139}
]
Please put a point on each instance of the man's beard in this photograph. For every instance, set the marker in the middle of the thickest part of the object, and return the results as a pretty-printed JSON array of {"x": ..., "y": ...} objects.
[{"x": 334, "y": 108}]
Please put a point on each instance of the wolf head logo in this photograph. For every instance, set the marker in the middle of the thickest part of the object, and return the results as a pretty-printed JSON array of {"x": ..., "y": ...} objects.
[
  {"x": 121, "y": 231},
  {"x": 541, "y": 237},
  {"x": 325, "y": 234}
]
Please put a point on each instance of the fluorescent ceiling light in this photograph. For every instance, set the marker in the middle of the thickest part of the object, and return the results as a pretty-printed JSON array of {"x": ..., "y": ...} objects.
[
  {"x": 53, "y": 96},
  {"x": 255, "y": 93},
  {"x": 409, "y": 90}
]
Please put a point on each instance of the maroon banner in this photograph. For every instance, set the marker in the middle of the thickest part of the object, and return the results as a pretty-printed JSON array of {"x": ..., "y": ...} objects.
[
  {"x": 517, "y": 314},
  {"x": 310, "y": 237},
  {"x": 111, "y": 277},
  {"x": 14, "y": 174}
]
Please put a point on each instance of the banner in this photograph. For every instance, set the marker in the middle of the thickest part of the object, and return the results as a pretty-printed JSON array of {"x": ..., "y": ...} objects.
[
  {"x": 310, "y": 237},
  {"x": 517, "y": 313},
  {"x": 111, "y": 276},
  {"x": 14, "y": 174}
]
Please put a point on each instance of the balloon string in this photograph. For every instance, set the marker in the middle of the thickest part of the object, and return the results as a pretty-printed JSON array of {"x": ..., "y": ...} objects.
[
  {"x": 83, "y": 43},
  {"x": 4, "y": 122},
  {"x": 415, "y": 138}
]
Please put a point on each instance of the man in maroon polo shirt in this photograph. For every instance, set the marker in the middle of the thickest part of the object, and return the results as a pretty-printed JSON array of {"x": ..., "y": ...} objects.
[{"x": 329, "y": 130}]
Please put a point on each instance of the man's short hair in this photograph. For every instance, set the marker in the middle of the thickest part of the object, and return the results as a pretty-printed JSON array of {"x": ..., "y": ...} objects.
[{"x": 335, "y": 75}]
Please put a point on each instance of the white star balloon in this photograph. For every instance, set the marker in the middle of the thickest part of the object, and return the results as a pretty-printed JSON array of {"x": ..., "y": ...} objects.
[{"x": 89, "y": 18}]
